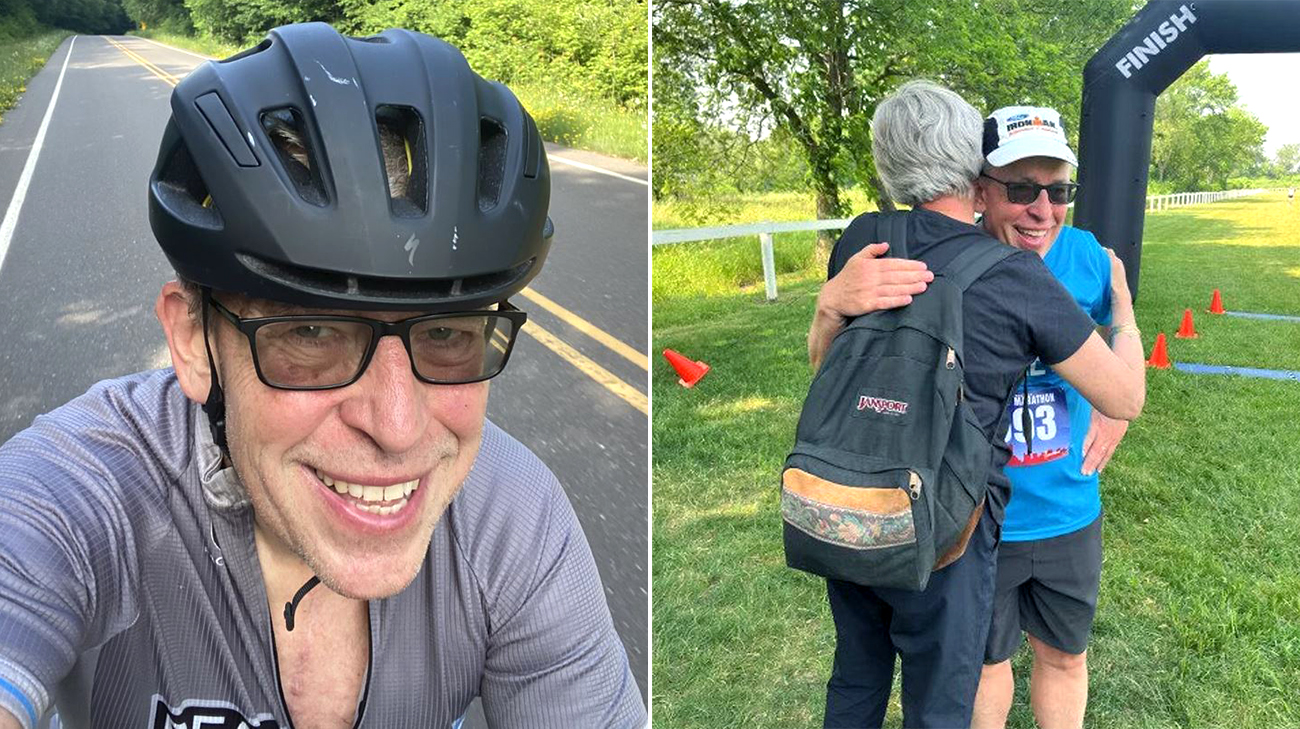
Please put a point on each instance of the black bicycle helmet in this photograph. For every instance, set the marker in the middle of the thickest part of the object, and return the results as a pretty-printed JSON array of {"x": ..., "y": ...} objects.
[{"x": 271, "y": 179}]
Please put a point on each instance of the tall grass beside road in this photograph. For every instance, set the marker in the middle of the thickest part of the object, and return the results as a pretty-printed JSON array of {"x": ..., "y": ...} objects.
[
  {"x": 20, "y": 59},
  {"x": 569, "y": 117},
  {"x": 1197, "y": 623},
  {"x": 198, "y": 44}
]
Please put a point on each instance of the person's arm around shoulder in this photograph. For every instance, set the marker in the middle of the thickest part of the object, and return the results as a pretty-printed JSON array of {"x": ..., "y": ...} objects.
[
  {"x": 866, "y": 283},
  {"x": 1112, "y": 378}
]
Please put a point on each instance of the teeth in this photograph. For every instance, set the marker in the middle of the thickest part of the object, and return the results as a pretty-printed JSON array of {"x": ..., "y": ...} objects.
[
  {"x": 375, "y": 494},
  {"x": 382, "y": 510}
]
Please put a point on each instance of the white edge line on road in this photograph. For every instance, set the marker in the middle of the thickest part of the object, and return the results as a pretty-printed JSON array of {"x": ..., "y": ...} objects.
[
  {"x": 174, "y": 48},
  {"x": 594, "y": 168},
  {"x": 25, "y": 179}
]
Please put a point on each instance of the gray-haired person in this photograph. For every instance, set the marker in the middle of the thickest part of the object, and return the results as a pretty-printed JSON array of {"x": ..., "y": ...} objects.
[{"x": 927, "y": 148}]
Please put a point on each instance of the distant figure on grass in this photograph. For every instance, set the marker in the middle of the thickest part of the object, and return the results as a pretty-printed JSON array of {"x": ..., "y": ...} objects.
[
  {"x": 1290, "y": 195},
  {"x": 928, "y": 152}
]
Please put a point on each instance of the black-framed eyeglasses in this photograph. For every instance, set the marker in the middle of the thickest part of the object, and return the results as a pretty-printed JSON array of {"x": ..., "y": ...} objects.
[
  {"x": 322, "y": 352},
  {"x": 1024, "y": 193}
]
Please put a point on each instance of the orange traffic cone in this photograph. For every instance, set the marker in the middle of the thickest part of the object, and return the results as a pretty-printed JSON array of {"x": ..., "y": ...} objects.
[
  {"x": 1216, "y": 303},
  {"x": 688, "y": 372},
  {"x": 1159, "y": 354},
  {"x": 1187, "y": 330}
]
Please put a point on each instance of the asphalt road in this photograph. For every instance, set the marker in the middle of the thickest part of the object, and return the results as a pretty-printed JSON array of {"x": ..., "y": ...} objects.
[{"x": 79, "y": 279}]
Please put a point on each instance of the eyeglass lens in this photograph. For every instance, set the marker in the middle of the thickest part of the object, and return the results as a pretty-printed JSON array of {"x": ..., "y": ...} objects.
[
  {"x": 323, "y": 353},
  {"x": 1023, "y": 193}
]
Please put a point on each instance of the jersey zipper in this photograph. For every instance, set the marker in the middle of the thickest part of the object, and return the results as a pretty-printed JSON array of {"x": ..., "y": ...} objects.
[
  {"x": 365, "y": 692},
  {"x": 275, "y": 665}
]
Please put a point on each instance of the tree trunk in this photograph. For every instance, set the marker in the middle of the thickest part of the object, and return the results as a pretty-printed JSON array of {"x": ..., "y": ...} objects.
[
  {"x": 828, "y": 206},
  {"x": 884, "y": 203}
]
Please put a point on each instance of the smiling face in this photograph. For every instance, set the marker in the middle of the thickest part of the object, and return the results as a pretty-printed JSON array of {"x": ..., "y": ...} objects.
[
  {"x": 352, "y": 480},
  {"x": 1033, "y": 226}
]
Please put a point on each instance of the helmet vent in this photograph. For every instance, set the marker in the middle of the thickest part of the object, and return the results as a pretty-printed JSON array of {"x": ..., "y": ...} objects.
[
  {"x": 372, "y": 39},
  {"x": 380, "y": 290},
  {"x": 292, "y": 145},
  {"x": 491, "y": 162},
  {"x": 402, "y": 146},
  {"x": 182, "y": 190}
]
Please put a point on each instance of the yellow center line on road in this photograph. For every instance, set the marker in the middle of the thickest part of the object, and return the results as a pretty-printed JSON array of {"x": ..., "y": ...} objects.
[
  {"x": 170, "y": 79},
  {"x": 608, "y": 380},
  {"x": 582, "y": 325},
  {"x": 630, "y": 394}
]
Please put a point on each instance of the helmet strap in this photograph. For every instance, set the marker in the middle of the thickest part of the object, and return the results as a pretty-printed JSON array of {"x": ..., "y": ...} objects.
[{"x": 215, "y": 406}]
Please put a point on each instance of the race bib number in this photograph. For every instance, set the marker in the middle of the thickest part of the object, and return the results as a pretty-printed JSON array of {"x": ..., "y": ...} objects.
[{"x": 1049, "y": 417}]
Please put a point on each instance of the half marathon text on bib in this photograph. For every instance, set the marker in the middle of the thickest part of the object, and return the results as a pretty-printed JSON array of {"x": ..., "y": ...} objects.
[{"x": 1049, "y": 416}]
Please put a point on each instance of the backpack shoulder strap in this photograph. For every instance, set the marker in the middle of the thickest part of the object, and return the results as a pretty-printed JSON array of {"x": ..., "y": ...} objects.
[{"x": 975, "y": 261}]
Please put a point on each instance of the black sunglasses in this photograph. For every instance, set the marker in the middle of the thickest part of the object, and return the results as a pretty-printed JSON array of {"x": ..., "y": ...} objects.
[
  {"x": 323, "y": 352},
  {"x": 1024, "y": 193}
]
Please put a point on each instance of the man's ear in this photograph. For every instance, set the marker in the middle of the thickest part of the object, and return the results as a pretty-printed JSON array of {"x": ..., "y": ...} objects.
[
  {"x": 980, "y": 190},
  {"x": 185, "y": 341}
]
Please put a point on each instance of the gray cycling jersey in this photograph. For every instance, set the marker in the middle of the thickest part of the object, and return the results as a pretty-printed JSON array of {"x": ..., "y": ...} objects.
[{"x": 131, "y": 595}]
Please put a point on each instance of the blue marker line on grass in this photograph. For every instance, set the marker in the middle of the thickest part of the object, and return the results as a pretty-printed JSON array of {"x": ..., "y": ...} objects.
[
  {"x": 1202, "y": 369},
  {"x": 1270, "y": 317}
]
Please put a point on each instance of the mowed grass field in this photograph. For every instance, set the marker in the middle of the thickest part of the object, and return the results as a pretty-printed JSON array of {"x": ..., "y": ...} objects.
[{"x": 1198, "y": 621}]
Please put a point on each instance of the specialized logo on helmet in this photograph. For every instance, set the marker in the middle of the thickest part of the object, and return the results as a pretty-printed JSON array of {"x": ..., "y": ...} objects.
[
  {"x": 411, "y": 244},
  {"x": 198, "y": 714},
  {"x": 881, "y": 405}
]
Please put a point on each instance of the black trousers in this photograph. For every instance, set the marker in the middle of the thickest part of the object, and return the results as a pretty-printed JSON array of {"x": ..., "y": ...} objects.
[{"x": 939, "y": 632}]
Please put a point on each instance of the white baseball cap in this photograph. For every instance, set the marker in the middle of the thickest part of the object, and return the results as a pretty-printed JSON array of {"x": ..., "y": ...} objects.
[{"x": 1015, "y": 132}]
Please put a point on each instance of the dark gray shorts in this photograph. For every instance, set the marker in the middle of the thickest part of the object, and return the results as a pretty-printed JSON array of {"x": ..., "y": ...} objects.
[{"x": 1047, "y": 588}]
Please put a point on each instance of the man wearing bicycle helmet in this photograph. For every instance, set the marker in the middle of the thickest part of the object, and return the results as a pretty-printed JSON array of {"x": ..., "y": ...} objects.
[{"x": 308, "y": 521}]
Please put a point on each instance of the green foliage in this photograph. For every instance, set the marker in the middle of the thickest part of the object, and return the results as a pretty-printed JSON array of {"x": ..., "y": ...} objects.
[
  {"x": 594, "y": 46},
  {"x": 17, "y": 19},
  {"x": 84, "y": 16},
  {"x": 248, "y": 20},
  {"x": 816, "y": 69},
  {"x": 20, "y": 59},
  {"x": 1201, "y": 137},
  {"x": 1287, "y": 159},
  {"x": 169, "y": 16}
]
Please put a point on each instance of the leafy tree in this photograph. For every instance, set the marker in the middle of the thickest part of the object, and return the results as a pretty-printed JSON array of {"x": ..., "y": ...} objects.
[
  {"x": 248, "y": 20},
  {"x": 1200, "y": 136},
  {"x": 171, "y": 15},
  {"x": 17, "y": 19},
  {"x": 816, "y": 69},
  {"x": 596, "y": 45},
  {"x": 1287, "y": 159}
]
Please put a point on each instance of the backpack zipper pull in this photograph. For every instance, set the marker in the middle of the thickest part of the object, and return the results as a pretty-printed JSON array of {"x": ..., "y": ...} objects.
[
  {"x": 952, "y": 359},
  {"x": 914, "y": 484}
]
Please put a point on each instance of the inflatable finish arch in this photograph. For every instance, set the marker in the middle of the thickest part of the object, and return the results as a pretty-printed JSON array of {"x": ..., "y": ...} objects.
[{"x": 1120, "y": 86}]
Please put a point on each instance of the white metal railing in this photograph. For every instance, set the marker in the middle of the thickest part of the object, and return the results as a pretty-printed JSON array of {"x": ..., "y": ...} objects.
[
  {"x": 1157, "y": 203},
  {"x": 765, "y": 230}
]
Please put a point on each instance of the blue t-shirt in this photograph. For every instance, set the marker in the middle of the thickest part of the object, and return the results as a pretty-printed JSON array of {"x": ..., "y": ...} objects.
[{"x": 1050, "y": 495}]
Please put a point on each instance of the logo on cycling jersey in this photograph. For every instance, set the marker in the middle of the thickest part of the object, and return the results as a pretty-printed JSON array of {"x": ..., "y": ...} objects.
[{"x": 211, "y": 714}]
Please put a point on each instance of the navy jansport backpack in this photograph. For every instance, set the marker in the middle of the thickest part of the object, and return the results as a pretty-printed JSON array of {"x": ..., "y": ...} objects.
[{"x": 889, "y": 471}]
